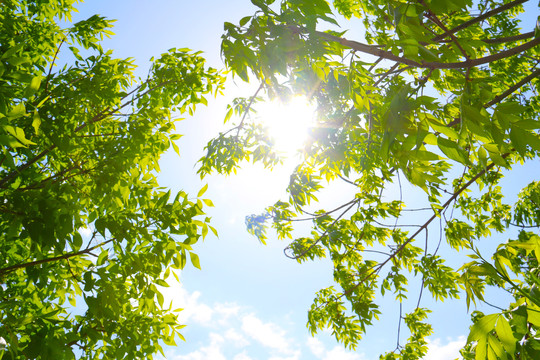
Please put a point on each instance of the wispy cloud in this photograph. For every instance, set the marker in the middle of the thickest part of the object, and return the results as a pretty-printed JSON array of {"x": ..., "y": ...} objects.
[
  {"x": 196, "y": 311},
  {"x": 295, "y": 356},
  {"x": 236, "y": 338},
  {"x": 242, "y": 356},
  {"x": 319, "y": 350},
  {"x": 212, "y": 351},
  {"x": 267, "y": 334},
  {"x": 450, "y": 350},
  {"x": 235, "y": 332},
  {"x": 316, "y": 346}
]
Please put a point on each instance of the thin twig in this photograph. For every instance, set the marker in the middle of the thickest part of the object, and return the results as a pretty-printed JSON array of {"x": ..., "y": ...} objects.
[
  {"x": 246, "y": 111},
  {"x": 102, "y": 115},
  {"x": 12, "y": 268},
  {"x": 433, "y": 17},
  {"x": 424, "y": 226},
  {"x": 325, "y": 233},
  {"x": 52, "y": 64},
  {"x": 399, "y": 324}
]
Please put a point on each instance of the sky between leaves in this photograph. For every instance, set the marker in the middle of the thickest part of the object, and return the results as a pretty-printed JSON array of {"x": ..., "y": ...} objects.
[{"x": 249, "y": 301}]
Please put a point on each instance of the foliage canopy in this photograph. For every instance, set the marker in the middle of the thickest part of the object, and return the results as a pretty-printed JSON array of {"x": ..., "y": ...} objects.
[
  {"x": 443, "y": 95},
  {"x": 87, "y": 234}
]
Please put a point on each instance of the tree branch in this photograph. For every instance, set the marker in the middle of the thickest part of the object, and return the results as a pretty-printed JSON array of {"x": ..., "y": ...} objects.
[
  {"x": 497, "y": 99},
  {"x": 239, "y": 127},
  {"x": 478, "y": 19},
  {"x": 52, "y": 64},
  {"x": 100, "y": 116},
  {"x": 8, "y": 269},
  {"x": 375, "y": 51},
  {"x": 431, "y": 16},
  {"x": 423, "y": 227},
  {"x": 503, "y": 40},
  {"x": 535, "y": 74},
  {"x": 352, "y": 203}
]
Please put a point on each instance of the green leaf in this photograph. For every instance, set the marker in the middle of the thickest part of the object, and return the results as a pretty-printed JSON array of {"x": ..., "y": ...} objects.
[
  {"x": 495, "y": 350},
  {"x": 36, "y": 121},
  {"x": 162, "y": 282},
  {"x": 426, "y": 155},
  {"x": 208, "y": 202},
  {"x": 17, "y": 111},
  {"x": 202, "y": 191},
  {"x": 452, "y": 150},
  {"x": 244, "y": 20},
  {"x": 34, "y": 85},
  {"x": 195, "y": 260},
  {"x": 12, "y": 50},
  {"x": 482, "y": 328},
  {"x": 519, "y": 140},
  {"x": 102, "y": 258},
  {"x": 505, "y": 335},
  {"x": 18, "y": 134},
  {"x": 18, "y": 60},
  {"x": 533, "y": 315},
  {"x": 9, "y": 141}
]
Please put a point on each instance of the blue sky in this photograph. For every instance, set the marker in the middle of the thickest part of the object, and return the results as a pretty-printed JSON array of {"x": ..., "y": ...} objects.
[{"x": 249, "y": 301}]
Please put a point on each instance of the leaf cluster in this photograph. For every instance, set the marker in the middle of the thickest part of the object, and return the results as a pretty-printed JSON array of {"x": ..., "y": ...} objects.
[
  {"x": 441, "y": 96},
  {"x": 89, "y": 238}
]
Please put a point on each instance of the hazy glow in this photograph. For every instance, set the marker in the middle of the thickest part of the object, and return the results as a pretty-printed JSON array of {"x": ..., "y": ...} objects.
[{"x": 288, "y": 123}]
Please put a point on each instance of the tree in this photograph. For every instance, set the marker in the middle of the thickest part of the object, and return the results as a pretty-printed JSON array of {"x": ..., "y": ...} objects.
[
  {"x": 88, "y": 236},
  {"x": 444, "y": 97}
]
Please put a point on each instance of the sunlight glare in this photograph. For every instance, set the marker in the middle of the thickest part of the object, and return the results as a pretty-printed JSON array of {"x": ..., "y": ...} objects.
[{"x": 288, "y": 123}]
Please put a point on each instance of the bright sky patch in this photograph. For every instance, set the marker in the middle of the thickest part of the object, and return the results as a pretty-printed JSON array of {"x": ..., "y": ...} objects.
[{"x": 288, "y": 123}]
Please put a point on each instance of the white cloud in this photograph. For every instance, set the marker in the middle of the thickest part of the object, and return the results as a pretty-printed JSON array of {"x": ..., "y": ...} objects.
[
  {"x": 338, "y": 352},
  {"x": 225, "y": 312},
  {"x": 268, "y": 334},
  {"x": 212, "y": 351},
  {"x": 242, "y": 356},
  {"x": 236, "y": 338},
  {"x": 295, "y": 356},
  {"x": 193, "y": 308},
  {"x": 196, "y": 311},
  {"x": 85, "y": 232},
  {"x": 232, "y": 328},
  {"x": 437, "y": 351},
  {"x": 316, "y": 346}
]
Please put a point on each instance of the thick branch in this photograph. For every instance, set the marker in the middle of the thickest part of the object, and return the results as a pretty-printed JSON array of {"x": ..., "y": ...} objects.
[
  {"x": 497, "y": 99},
  {"x": 535, "y": 74},
  {"x": 478, "y": 19},
  {"x": 506, "y": 39},
  {"x": 372, "y": 50}
]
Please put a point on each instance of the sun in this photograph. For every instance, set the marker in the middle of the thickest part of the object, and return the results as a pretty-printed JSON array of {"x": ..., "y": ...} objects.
[{"x": 287, "y": 123}]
